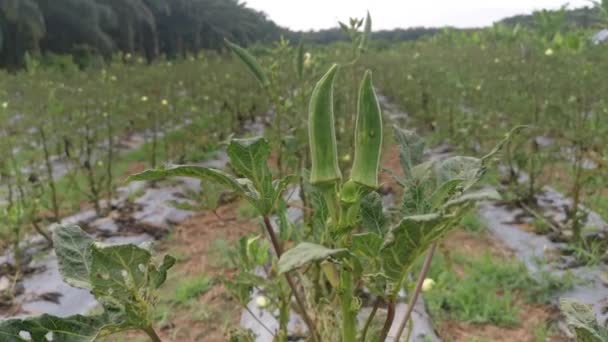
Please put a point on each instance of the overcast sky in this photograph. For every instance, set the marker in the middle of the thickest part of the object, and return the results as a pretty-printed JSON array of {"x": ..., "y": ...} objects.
[{"x": 388, "y": 14}]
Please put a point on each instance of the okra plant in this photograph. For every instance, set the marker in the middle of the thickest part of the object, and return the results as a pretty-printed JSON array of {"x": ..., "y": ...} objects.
[
  {"x": 351, "y": 245},
  {"x": 124, "y": 279}
]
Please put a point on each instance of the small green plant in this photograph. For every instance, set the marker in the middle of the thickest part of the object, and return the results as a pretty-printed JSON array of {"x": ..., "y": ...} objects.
[
  {"x": 191, "y": 288},
  {"x": 124, "y": 279}
]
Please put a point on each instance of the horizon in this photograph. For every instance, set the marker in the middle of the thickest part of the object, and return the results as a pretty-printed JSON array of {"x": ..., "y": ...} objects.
[{"x": 394, "y": 14}]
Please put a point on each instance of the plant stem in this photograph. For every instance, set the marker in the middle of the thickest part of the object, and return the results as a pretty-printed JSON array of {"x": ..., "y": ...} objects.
[
  {"x": 152, "y": 334},
  {"x": 390, "y": 317},
  {"x": 410, "y": 307},
  {"x": 279, "y": 251},
  {"x": 349, "y": 317},
  {"x": 370, "y": 318}
]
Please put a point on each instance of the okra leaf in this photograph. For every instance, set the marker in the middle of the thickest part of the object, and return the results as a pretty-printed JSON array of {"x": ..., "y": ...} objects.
[
  {"x": 194, "y": 171},
  {"x": 50, "y": 328},
  {"x": 465, "y": 169},
  {"x": 250, "y": 62},
  {"x": 73, "y": 250},
  {"x": 372, "y": 217},
  {"x": 367, "y": 245},
  {"x": 473, "y": 196},
  {"x": 159, "y": 275},
  {"x": 306, "y": 253},
  {"x": 248, "y": 158},
  {"x": 408, "y": 240},
  {"x": 581, "y": 318},
  {"x": 279, "y": 186},
  {"x": 124, "y": 279},
  {"x": 411, "y": 148}
]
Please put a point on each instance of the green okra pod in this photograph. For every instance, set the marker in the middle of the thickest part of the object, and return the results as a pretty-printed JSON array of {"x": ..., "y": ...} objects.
[
  {"x": 368, "y": 136},
  {"x": 251, "y": 63},
  {"x": 321, "y": 132}
]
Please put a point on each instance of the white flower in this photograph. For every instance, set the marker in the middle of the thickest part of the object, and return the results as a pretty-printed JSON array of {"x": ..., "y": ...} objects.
[
  {"x": 427, "y": 284},
  {"x": 549, "y": 52},
  {"x": 25, "y": 335},
  {"x": 5, "y": 105},
  {"x": 262, "y": 301},
  {"x": 164, "y": 102},
  {"x": 144, "y": 99}
]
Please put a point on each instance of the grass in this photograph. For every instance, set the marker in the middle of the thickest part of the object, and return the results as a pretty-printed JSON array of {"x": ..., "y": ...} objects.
[
  {"x": 472, "y": 223},
  {"x": 487, "y": 289},
  {"x": 223, "y": 253},
  {"x": 190, "y": 288}
]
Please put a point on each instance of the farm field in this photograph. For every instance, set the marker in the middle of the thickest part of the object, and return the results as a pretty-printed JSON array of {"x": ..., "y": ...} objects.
[{"x": 244, "y": 185}]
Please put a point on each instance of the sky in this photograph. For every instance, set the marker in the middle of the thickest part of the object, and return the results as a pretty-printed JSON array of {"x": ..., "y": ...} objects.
[{"x": 389, "y": 14}]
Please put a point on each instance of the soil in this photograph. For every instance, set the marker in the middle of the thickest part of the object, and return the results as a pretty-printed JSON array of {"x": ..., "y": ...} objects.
[{"x": 531, "y": 317}]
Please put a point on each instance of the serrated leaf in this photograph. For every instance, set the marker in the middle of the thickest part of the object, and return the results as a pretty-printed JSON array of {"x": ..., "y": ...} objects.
[
  {"x": 194, "y": 171},
  {"x": 306, "y": 253},
  {"x": 408, "y": 240},
  {"x": 73, "y": 249},
  {"x": 464, "y": 169},
  {"x": 372, "y": 216},
  {"x": 249, "y": 158},
  {"x": 250, "y": 62},
  {"x": 50, "y": 328},
  {"x": 121, "y": 282},
  {"x": 411, "y": 149}
]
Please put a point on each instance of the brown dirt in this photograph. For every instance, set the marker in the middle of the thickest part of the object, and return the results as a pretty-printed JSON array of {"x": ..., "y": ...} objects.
[
  {"x": 133, "y": 168},
  {"x": 531, "y": 317}
]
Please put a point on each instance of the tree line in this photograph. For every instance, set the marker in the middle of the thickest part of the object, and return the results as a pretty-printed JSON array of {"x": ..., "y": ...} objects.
[{"x": 145, "y": 27}]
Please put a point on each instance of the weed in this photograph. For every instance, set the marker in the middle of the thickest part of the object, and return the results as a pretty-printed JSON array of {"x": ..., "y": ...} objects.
[{"x": 190, "y": 288}]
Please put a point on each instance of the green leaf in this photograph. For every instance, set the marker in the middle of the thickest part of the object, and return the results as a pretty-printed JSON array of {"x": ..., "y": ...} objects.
[
  {"x": 408, "y": 240},
  {"x": 367, "y": 245},
  {"x": 305, "y": 253},
  {"x": 473, "y": 196},
  {"x": 159, "y": 275},
  {"x": 280, "y": 186},
  {"x": 124, "y": 279},
  {"x": 411, "y": 148},
  {"x": 372, "y": 217},
  {"x": 464, "y": 169},
  {"x": 581, "y": 318},
  {"x": 250, "y": 62},
  {"x": 50, "y": 328},
  {"x": 249, "y": 158},
  {"x": 73, "y": 249},
  {"x": 193, "y": 171}
]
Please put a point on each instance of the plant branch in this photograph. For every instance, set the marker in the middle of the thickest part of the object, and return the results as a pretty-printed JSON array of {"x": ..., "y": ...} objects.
[
  {"x": 152, "y": 334},
  {"x": 370, "y": 318},
  {"x": 279, "y": 251},
  {"x": 410, "y": 307},
  {"x": 390, "y": 317}
]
